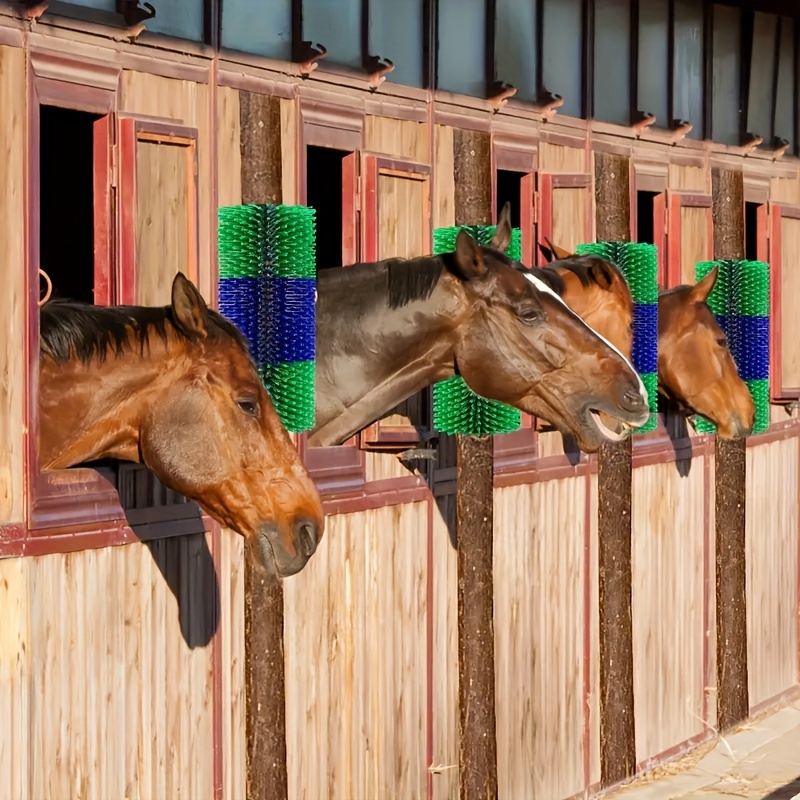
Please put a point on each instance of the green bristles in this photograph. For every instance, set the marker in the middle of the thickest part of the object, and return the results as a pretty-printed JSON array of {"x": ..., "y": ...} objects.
[
  {"x": 457, "y": 409},
  {"x": 703, "y": 425},
  {"x": 291, "y": 387},
  {"x": 650, "y": 381},
  {"x": 750, "y": 292},
  {"x": 718, "y": 299},
  {"x": 242, "y": 241},
  {"x": 759, "y": 389},
  {"x": 295, "y": 250}
]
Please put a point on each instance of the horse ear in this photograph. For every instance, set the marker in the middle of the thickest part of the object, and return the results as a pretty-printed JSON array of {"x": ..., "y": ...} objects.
[
  {"x": 702, "y": 289},
  {"x": 502, "y": 236},
  {"x": 558, "y": 252},
  {"x": 602, "y": 274},
  {"x": 546, "y": 252},
  {"x": 188, "y": 307},
  {"x": 469, "y": 263}
]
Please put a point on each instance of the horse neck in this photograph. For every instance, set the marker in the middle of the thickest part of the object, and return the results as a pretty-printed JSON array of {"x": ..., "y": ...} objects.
[
  {"x": 370, "y": 356},
  {"x": 89, "y": 411}
]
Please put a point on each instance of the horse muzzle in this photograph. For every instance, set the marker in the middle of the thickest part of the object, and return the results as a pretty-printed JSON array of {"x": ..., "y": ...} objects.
[{"x": 285, "y": 553}]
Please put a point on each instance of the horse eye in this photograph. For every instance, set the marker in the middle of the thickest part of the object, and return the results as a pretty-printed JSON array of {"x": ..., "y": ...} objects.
[
  {"x": 530, "y": 315},
  {"x": 249, "y": 407},
  {"x": 723, "y": 342}
]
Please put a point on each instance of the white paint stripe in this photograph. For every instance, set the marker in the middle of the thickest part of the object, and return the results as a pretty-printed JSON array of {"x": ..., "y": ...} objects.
[{"x": 543, "y": 287}]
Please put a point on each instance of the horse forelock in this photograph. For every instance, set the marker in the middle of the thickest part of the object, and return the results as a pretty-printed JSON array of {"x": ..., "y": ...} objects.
[{"x": 69, "y": 329}]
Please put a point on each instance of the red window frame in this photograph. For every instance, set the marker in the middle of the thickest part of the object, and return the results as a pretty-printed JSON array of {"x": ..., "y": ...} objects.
[
  {"x": 132, "y": 129},
  {"x": 340, "y": 469},
  {"x": 518, "y": 450},
  {"x": 380, "y": 435},
  {"x": 79, "y": 500},
  {"x": 770, "y": 217},
  {"x": 675, "y": 202}
]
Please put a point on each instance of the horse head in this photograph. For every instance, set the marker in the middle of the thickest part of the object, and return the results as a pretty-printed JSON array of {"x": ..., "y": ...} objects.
[
  {"x": 695, "y": 367},
  {"x": 175, "y": 388}
]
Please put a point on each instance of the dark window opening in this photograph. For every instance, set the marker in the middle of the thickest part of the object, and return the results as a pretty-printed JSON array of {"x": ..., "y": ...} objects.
[
  {"x": 324, "y": 193},
  {"x": 66, "y": 201},
  {"x": 509, "y": 190},
  {"x": 645, "y": 231},
  {"x": 751, "y": 231}
]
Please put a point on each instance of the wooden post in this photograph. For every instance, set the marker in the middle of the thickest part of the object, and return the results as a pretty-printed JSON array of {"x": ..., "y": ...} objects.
[
  {"x": 260, "y": 136},
  {"x": 733, "y": 702},
  {"x": 474, "y": 526},
  {"x": 614, "y": 480}
]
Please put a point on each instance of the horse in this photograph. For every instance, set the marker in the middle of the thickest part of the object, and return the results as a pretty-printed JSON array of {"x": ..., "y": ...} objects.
[
  {"x": 174, "y": 388},
  {"x": 386, "y": 330},
  {"x": 696, "y": 372}
]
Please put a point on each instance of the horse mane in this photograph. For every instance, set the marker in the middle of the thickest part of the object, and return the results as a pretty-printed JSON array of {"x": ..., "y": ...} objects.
[
  {"x": 410, "y": 279},
  {"x": 70, "y": 329}
]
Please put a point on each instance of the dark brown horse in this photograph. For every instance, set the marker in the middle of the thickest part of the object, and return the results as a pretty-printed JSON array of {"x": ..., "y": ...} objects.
[
  {"x": 696, "y": 372},
  {"x": 387, "y": 330},
  {"x": 174, "y": 388}
]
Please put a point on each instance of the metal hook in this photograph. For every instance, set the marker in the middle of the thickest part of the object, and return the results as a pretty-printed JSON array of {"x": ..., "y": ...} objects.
[{"x": 49, "y": 287}]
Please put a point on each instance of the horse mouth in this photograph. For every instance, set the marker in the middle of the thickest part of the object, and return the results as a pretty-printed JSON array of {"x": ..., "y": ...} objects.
[{"x": 620, "y": 432}]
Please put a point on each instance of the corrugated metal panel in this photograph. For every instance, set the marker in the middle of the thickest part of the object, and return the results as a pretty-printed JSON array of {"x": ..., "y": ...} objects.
[
  {"x": 772, "y": 569},
  {"x": 668, "y": 597}
]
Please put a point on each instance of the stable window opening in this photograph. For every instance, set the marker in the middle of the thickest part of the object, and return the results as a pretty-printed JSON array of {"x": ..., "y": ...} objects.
[
  {"x": 324, "y": 191},
  {"x": 509, "y": 190},
  {"x": 751, "y": 231},
  {"x": 66, "y": 201},
  {"x": 645, "y": 231}
]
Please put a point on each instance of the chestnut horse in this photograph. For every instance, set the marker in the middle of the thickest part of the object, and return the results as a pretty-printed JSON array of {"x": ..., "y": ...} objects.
[
  {"x": 174, "y": 388},
  {"x": 696, "y": 372},
  {"x": 387, "y": 330}
]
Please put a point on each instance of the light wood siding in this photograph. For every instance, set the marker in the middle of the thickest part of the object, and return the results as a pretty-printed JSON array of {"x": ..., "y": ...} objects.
[
  {"x": 695, "y": 240},
  {"x": 790, "y": 288},
  {"x": 12, "y": 278},
  {"x": 540, "y": 590},
  {"x": 404, "y": 139},
  {"x": 164, "y": 218},
  {"x": 772, "y": 601},
  {"x": 558, "y": 158},
  {"x": 667, "y": 599},
  {"x": 229, "y": 152},
  {"x": 106, "y": 672},
  {"x": 570, "y": 208},
  {"x": 356, "y": 659}
]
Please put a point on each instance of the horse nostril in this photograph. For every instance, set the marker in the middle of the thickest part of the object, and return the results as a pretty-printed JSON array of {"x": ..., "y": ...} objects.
[
  {"x": 634, "y": 397},
  {"x": 307, "y": 535}
]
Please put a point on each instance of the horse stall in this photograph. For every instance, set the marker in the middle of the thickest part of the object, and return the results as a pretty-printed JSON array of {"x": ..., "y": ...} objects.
[{"x": 139, "y": 655}]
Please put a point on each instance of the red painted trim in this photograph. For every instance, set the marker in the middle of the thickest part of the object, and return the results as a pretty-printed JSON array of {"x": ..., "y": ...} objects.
[
  {"x": 380, "y": 435},
  {"x": 660, "y": 236},
  {"x": 104, "y": 229},
  {"x": 545, "y": 184},
  {"x": 706, "y": 677},
  {"x": 350, "y": 213},
  {"x": 133, "y": 129},
  {"x": 429, "y": 665},
  {"x": 11, "y": 37},
  {"x": 778, "y": 432},
  {"x": 587, "y": 632},
  {"x": 777, "y": 701},
  {"x": 378, "y": 494},
  {"x": 674, "y": 240},
  {"x": 673, "y": 753},
  {"x": 527, "y": 218},
  {"x": 335, "y": 470},
  {"x": 216, "y": 670}
]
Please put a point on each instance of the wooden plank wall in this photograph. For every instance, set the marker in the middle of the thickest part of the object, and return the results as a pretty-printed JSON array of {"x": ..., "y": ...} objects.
[
  {"x": 106, "y": 671},
  {"x": 356, "y": 665}
]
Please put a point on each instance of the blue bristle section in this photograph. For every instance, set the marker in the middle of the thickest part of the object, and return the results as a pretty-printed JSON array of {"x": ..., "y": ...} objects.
[
  {"x": 645, "y": 346},
  {"x": 241, "y": 301},
  {"x": 293, "y": 331},
  {"x": 752, "y": 348}
]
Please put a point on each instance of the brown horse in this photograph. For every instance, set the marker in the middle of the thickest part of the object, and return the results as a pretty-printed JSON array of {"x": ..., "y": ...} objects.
[
  {"x": 695, "y": 368},
  {"x": 174, "y": 388},
  {"x": 696, "y": 372},
  {"x": 387, "y": 330}
]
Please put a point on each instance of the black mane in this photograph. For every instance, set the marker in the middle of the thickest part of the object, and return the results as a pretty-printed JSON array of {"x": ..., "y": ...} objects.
[
  {"x": 69, "y": 329},
  {"x": 580, "y": 266}
]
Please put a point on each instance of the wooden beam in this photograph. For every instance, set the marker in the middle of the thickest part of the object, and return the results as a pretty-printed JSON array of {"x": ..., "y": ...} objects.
[
  {"x": 730, "y": 473},
  {"x": 474, "y": 526},
  {"x": 265, "y": 690},
  {"x": 614, "y": 479}
]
